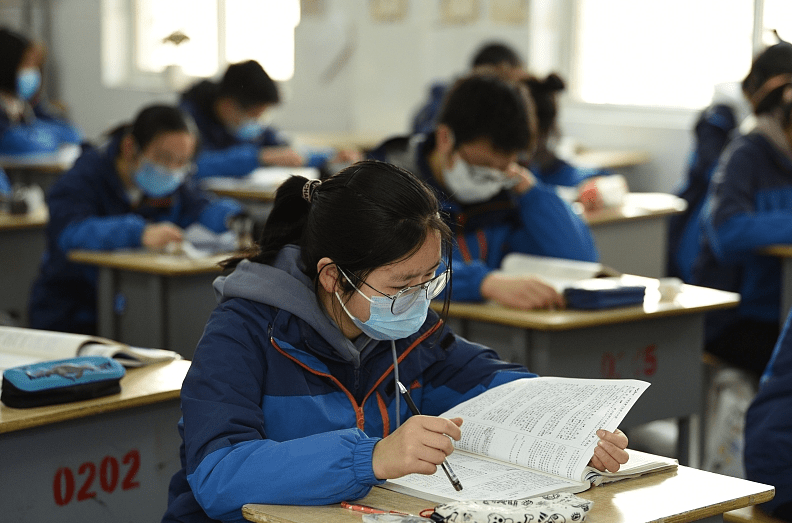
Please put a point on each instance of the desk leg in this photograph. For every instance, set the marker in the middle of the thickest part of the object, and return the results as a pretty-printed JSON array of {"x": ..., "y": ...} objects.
[{"x": 106, "y": 314}]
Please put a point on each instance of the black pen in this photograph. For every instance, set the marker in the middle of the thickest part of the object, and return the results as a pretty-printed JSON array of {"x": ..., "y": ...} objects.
[{"x": 444, "y": 465}]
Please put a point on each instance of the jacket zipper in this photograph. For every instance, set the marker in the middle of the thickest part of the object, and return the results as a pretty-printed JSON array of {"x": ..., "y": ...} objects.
[{"x": 359, "y": 415}]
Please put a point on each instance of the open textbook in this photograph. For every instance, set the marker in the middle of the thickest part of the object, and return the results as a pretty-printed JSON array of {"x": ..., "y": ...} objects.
[
  {"x": 20, "y": 346},
  {"x": 532, "y": 437}
]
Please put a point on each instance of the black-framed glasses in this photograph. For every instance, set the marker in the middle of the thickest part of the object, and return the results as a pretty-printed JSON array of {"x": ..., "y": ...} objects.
[{"x": 403, "y": 300}]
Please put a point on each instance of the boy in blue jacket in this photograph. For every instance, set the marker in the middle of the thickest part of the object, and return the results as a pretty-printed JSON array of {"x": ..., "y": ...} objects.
[
  {"x": 768, "y": 428},
  {"x": 748, "y": 207},
  {"x": 235, "y": 139},
  {"x": 25, "y": 126},
  {"x": 494, "y": 205},
  {"x": 135, "y": 191},
  {"x": 291, "y": 397}
]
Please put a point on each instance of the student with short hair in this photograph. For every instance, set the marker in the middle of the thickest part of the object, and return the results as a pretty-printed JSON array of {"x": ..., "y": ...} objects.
[
  {"x": 491, "y": 55},
  {"x": 135, "y": 191},
  {"x": 748, "y": 207},
  {"x": 494, "y": 205},
  {"x": 26, "y": 125},
  {"x": 291, "y": 397},
  {"x": 231, "y": 119}
]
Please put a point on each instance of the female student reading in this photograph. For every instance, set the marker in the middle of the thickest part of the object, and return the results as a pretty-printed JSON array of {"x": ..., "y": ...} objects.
[
  {"x": 135, "y": 191},
  {"x": 292, "y": 397}
]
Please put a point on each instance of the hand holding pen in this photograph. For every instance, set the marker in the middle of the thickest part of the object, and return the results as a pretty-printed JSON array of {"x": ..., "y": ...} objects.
[
  {"x": 445, "y": 466},
  {"x": 419, "y": 446}
]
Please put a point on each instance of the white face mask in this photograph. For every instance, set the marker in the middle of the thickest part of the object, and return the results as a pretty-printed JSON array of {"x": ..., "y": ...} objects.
[{"x": 473, "y": 183}]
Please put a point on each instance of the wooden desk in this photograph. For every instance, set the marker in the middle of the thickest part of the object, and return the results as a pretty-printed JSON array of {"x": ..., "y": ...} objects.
[
  {"x": 154, "y": 300},
  {"x": 40, "y": 168},
  {"x": 106, "y": 459},
  {"x": 660, "y": 342},
  {"x": 680, "y": 496},
  {"x": 23, "y": 240},
  {"x": 784, "y": 252},
  {"x": 632, "y": 238}
]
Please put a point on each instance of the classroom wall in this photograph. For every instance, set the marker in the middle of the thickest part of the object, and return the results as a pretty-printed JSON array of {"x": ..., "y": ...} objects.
[{"x": 357, "y": 74}]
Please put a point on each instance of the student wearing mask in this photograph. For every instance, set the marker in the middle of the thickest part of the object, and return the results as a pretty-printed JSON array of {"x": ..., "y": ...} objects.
[
  {"x": 135, "y": 191},
  {"x": 236, "y": 138},
  {"x": 491, "y": 55},
  {"x": 494, "y": 205},
  {"x": 291, "y": 396},
  {"x": 748, "y": 207},
  {"x": 25, "y": 124}
]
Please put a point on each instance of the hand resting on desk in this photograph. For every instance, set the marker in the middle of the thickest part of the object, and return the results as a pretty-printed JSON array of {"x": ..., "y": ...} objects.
[{"x": 520, "y": 292}]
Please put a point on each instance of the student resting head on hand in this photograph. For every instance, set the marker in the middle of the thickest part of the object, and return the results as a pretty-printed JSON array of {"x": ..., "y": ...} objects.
[
  {"x": 494, "y": 205},
  {"x": 134, "y": 191},
  {"x": 291, "y": 396}
]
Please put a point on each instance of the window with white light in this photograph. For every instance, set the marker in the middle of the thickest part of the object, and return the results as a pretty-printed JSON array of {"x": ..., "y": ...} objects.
[
  {"x": 669, "y": 53},
  {"x": 143, "y": 38}
]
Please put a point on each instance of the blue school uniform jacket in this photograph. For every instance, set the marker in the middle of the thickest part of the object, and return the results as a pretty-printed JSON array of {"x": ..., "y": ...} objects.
[
  {"x": 768, "y": 428},
  {"x": 222, "y": 153},
  {"x": 40, "y": 133},
  {"x": 713, "y": 131},
  {"x": 279, "y": 407},
  {"x": 749, "y": 206},
  {"x": 537, "y": 222},
  {"x": 565, "y": 174},
  {"x": 90, "y": 209}
]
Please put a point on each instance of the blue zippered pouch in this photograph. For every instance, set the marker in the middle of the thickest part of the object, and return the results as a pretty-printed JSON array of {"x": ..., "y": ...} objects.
[
  {"x": 61, "y": 381},
  {"x": 602, "y": 293}
]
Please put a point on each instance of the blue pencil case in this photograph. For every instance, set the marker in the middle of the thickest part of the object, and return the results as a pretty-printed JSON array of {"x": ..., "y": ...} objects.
[
  {"x": 601, "y": 293},
  {"x": 61, "y": 381}
]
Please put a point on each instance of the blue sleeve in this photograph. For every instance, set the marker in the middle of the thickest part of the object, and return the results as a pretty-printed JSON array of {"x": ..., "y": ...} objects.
[
  {"x": 734, "y": 226},
  {"x": 229, "y": 459},
  {"x": 272, "y": 137},
  {"x": 550, "y": 227},
  {"x": 467, "y": 278},
  {"x": 768, "y": 425},
  {"x": 215, "y": 215},
  {"x": 75, "y": 204},
  {"x": 235, "y": 161},
  {"x": 29, "y": 138},
  {"x": 103, "y": 234}
]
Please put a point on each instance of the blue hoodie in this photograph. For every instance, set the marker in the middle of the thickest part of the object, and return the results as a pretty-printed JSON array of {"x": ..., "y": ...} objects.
[
  {"x": 768, "y": 428},
  {"x": 279, "y": 407},
  {"x": 749, "y": 206}
]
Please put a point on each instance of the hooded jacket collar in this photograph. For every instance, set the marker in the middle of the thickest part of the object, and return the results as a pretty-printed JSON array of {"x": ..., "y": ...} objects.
[{"x": 285, "y": 286}]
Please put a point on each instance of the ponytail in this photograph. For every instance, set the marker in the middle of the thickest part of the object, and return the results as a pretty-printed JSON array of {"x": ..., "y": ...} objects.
[{"x": 285, "y": 224}]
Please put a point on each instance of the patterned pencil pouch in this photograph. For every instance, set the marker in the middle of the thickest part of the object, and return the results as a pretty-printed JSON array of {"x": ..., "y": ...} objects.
[{"x": 61, "y": 381}]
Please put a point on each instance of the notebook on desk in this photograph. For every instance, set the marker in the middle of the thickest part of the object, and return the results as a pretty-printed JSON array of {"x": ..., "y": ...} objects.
[{"x": 585, "y": 285}]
